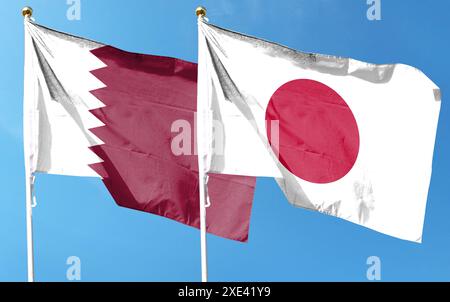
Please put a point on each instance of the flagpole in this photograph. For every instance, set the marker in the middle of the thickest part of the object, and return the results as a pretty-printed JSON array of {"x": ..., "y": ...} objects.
[
  {"x": 201, "y": 13},
  {"x": 203, "y": 247},
  {"x": 29, "y": 210},
  {"x": 27, "y": 12}
]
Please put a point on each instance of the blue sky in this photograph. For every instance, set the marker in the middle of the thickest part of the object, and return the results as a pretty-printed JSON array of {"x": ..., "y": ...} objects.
[{"x": 77, "y": 216}]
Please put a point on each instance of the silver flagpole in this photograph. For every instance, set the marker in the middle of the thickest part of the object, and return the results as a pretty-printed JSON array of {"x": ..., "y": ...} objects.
[
  {"x": 203, "y": 247},
  {"x": 29, "y": 207},
  {"x": 201, "y": 12},
  {"x": 27, "y": 12}
]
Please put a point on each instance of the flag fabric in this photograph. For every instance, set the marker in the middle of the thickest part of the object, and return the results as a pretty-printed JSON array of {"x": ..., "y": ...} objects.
[
  {"x": 342, "y": 137},
  {"x": 97, "y": 111}
]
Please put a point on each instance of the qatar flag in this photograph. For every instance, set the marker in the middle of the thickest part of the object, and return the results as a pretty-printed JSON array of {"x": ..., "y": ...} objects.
[
  {"x": 342, "y": 137},
  {"x": 97, "y": 111}
]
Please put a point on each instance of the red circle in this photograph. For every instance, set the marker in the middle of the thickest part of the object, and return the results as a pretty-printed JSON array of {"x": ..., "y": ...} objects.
[{"x": 318, "y": 135}]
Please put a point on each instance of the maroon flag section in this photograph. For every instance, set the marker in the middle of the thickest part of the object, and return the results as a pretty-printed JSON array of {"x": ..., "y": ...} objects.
[{"x": 149, "y": 161}]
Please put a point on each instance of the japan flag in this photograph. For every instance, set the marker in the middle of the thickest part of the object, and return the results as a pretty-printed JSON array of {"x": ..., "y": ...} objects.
[{"x": 342, "y": 137}]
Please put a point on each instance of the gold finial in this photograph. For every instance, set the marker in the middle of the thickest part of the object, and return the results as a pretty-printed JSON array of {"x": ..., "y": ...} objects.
[
  {"x": 200, "y": 11},
  {"x": 27, "y": 11}
]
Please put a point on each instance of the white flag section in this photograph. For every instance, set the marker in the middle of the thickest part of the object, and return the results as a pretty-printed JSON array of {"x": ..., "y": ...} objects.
[
  {"x": 57, "y": 102},
  {"x": 343, "y": 137}
]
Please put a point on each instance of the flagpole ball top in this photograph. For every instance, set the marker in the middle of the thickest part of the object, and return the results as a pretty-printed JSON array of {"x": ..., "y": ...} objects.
[
  {"x": 27, "y": 11},
  {"x": 200, "y": 11}
]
